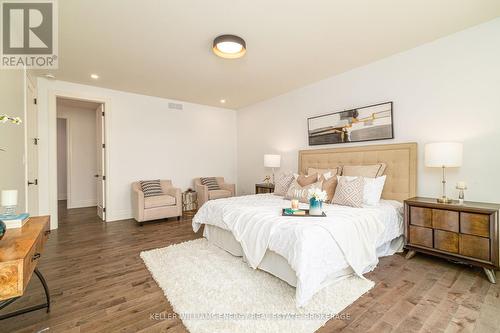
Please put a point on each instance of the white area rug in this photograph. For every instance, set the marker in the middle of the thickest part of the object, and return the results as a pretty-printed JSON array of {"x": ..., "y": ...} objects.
[{"x": 213, "y": 291}]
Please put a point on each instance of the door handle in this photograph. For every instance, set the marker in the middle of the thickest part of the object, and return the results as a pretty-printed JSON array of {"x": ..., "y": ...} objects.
[{"x": 33, "y": 183}]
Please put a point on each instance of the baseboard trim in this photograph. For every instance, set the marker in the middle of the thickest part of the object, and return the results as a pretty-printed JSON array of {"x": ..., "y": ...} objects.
[
  {"x": 118, "y": 215},
  {"x": 82, "y": 203}
]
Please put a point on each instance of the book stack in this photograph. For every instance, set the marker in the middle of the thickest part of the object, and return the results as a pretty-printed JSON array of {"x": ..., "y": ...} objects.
[
  {"x": 299, "y": 212},
  {"x": 14, "y": 221}
]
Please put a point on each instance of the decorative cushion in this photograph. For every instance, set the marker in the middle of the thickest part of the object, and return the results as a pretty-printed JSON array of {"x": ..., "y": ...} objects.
[
  {"x": 371, "y": 171},
  {"x": 151, "y": 188},
  {"x": 334, "y": 171},
  {"x": 300, "y": 192},
  {"x": 282, "y": 183},
  {"x": 217, "y": 194},
  {"x": 349, "y": 192},
  {"x": 329, "y": 186},
  {"x": 210, "y": 182},
  {"x": 304, "y": 180},
  {"x": 372, "y": 189},
  {"x": 159, "y": 201}
]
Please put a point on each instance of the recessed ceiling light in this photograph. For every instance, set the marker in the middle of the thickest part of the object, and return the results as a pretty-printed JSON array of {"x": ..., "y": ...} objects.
[
  {"x": 223, "y": 101},
  {"x": 229, "y": 46},
  {"x": 94, "y": 76}
]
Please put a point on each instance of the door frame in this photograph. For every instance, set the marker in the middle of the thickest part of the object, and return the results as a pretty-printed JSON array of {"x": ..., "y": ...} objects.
[{"x": 52, "y": 108}]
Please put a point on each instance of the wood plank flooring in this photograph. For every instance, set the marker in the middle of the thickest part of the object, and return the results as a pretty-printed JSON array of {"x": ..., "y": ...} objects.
[{"x": 99, "y": 283}]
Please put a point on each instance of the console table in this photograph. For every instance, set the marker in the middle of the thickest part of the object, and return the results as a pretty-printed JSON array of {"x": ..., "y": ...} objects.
[{"x": 20, "y": 251}]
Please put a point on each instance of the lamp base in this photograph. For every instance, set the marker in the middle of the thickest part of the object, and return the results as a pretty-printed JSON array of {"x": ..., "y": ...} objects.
[{"x": 444, "y": 200}]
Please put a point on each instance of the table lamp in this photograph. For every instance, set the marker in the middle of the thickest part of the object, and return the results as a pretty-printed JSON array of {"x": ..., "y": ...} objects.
[
  {"x": 9, "y": 202},
  {"x": 272, "y": 161},
  {"x": 443, "y": 155}
]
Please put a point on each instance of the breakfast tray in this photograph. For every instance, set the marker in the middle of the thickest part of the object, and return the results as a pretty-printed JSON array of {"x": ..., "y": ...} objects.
[{"x": 283, "y": 213}]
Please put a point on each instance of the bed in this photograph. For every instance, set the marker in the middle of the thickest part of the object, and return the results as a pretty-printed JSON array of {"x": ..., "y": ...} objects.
[{"x": 311, "y": 253}]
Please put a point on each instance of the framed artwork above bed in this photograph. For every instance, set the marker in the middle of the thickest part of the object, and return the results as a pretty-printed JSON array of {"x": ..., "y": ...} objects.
[{"x": 368, "y": 123}]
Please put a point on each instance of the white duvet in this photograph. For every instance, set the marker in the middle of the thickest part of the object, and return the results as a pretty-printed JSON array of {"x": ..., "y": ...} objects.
[{"x": 315, "y": 247}]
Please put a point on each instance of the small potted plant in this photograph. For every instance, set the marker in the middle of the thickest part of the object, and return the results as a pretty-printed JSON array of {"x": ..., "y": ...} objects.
[{"x": 316, "y": 197}]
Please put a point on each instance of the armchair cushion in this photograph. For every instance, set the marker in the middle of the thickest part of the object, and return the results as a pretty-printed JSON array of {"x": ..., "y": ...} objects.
[
  {"x": 151, "y": 187},
  {"x": 159, "y": 201},
  {"x": 210, "y": 182},
  {"x": 217, "y": 194}
]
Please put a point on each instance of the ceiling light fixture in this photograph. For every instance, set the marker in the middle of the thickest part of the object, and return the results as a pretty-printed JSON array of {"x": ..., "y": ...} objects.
[
  {"x": 223, "y": 101},
  {"x": 229, "y": 46},
  {"x": 94, "y": 76}
]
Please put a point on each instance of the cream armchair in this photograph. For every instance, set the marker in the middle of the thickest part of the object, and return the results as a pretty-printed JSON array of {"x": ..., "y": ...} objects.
[
  {"x": 156, "y": 207},
  {"x": 226, "y": 191}
]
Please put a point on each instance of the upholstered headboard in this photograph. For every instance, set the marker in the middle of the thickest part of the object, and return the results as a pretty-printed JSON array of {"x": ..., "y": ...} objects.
[{"x": 401, "y": 160}]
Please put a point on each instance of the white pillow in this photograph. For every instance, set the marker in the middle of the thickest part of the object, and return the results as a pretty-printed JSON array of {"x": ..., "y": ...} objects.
[{"x": 372, "y": 189}]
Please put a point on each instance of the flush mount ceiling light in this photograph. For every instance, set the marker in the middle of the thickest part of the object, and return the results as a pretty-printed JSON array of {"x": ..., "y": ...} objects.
[
  {"x": 229, "y": 46},
  {"x": 94, "y": 76}
]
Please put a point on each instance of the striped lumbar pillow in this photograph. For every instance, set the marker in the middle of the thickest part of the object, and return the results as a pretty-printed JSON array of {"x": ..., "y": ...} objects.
[
  {"x": 210, "y": 182},
  {"x": 151, "y": 188}
]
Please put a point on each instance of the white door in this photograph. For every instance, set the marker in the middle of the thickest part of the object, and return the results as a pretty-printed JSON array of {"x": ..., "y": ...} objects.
[
  {"x": 101, "y": 164},
  {"x": 32, "y": 149}
]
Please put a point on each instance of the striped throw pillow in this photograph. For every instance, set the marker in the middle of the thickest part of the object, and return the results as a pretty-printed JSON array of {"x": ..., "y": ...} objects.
[
  {"x": 210, "y": 182},
  {"x": 151, "y": 188}
]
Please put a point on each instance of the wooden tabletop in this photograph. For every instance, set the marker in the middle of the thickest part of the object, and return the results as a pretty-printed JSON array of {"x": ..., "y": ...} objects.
[
  {"x": 16, "y": 242},
  {"x": 467, "y": 205}
]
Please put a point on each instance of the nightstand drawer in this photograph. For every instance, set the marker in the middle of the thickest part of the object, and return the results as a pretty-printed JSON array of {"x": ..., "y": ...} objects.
[
  {"x": 421, "y": 236},
  {"x": 475, "y": 247},
  {"x": 475, "y": 224},
  {"x": 421, "y": 216},
  {"x": 445, "y": 220},
  {"x": 446, "y": 241}
]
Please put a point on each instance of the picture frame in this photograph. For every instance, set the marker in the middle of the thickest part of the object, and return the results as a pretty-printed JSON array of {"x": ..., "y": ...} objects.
[{"x": 367, "y": 123}]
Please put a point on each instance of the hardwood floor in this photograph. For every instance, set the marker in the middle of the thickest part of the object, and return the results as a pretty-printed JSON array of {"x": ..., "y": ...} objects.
[{"x": 99, "y": 283}]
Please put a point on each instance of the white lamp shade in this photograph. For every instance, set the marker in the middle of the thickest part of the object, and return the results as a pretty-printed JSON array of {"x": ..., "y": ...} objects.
[
  {"x": 272, "y": 161},
  {"x": 9, "y": 198},
  {"x": 443, "y": 154}
]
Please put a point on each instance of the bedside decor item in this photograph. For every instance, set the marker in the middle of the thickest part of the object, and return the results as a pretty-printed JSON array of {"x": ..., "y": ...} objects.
[
  {"x": 443, "y": 155},
  {"x": 9, "y": 202},
  {"x": 272, "y": 161},
  {"x": 367, "y": 123},
  {"x": 467, "y": 233},
  {"x": 316, "y": 198},
  {"x": 461, "y": 187}
]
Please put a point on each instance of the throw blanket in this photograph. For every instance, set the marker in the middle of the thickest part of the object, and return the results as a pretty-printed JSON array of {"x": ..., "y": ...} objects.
[{"x": 254, "y": 219}]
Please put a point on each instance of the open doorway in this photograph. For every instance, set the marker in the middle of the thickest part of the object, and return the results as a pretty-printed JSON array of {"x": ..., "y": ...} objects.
[{"x": 80, "y": 156}]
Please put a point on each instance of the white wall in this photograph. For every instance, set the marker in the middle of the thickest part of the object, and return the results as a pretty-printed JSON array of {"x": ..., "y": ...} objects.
[
  {"x": 82, "y": 162},
  {"x": 445, "y": 90},
  {"x": 62, "y": 156},
  {"x": 12, "y": 174},
  {"x": 146, "y": 140}
]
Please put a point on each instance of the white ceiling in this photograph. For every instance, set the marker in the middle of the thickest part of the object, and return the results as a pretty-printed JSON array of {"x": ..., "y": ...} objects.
[{"x": 163, "y": 48}]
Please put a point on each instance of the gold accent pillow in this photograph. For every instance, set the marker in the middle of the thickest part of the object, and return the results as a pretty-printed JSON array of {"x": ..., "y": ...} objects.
[{"x": 304, "y": 180}]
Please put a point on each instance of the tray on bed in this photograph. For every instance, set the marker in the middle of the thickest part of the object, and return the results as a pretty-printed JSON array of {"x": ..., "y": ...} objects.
[{"x": 283, "y": 213}]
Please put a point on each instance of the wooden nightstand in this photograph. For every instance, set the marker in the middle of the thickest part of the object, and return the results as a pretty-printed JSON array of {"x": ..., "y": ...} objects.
[
  {"x": 466, "y": 233},
  {"x": 264, "y": 188}
]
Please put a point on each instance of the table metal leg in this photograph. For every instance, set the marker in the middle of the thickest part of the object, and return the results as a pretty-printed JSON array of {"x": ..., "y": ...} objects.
[
  {"x": 490, "y": 274},
  {"x": 31, "y": 308}
]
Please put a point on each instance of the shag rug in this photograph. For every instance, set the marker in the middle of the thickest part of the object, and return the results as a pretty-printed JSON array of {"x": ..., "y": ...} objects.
[{"x": 213, "y": 291}]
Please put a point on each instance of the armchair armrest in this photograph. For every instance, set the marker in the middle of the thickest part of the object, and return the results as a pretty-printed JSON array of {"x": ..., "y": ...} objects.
[
  {"x": 138, "y": 205},
  {"x": 175, "y": 192},
  {"x": 229, "y": 187},
  {"x": 201, "y": 193}
]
